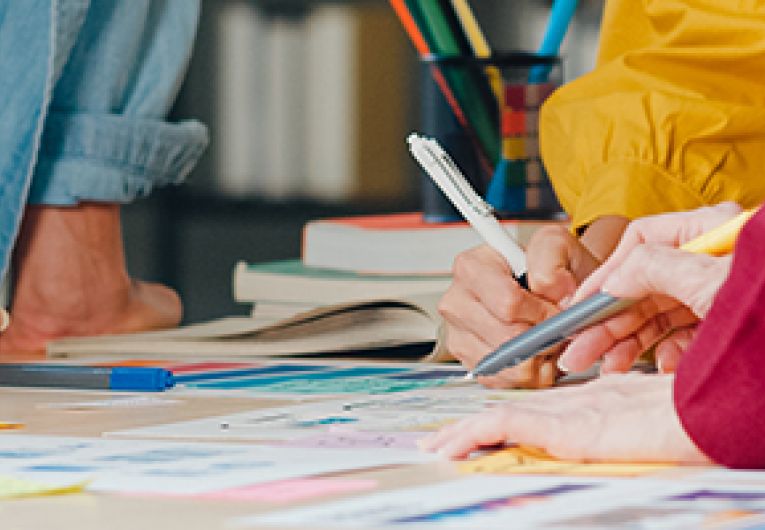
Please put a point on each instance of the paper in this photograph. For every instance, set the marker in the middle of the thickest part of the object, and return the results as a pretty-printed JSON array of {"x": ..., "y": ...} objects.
[
  {"x": 669, "y": 506},
  {"x": 350, "y": 439},
  {"x": 533, "y": 503},
  {"x": 410, "y": 412},
  {"x": 173, "y": 468},
  {"x": 321, "y": 380},
  {"x": 527, "y": 460},
  {"x": 128, "y": 402},
  {"x": 15, "y": 488},
  {"x": 293, "y": 490},
  {"x": 468, "y": 503}
]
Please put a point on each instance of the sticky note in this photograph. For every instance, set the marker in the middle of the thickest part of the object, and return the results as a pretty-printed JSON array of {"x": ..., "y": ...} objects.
[
  {"x": 15, "y": 488},
  {"x": 522, "y": 460}
]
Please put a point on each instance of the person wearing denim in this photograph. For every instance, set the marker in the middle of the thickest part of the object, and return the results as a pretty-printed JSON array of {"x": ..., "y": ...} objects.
[{"x": 85, "y": 86}]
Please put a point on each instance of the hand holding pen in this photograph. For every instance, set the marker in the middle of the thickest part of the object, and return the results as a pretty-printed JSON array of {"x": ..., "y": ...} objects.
[
  {"x": 670, "y": 271},
  {"x": 676, "y": 289},
  {"x": 485, "y": 306}
]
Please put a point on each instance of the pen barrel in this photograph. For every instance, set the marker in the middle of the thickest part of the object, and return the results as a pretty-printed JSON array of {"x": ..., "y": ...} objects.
[
  {"x": 53, "y": 376},
  {"x": 552, "y": 332}
]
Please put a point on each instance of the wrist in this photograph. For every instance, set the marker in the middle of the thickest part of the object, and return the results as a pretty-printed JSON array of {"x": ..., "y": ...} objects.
[{"x": 602, "y": 235}]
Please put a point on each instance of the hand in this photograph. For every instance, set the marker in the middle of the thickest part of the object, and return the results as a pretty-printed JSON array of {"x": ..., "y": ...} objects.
[
  {"x": 677, "y": 289},
  {"x": 485, "y": 306},
  {"x": 627, "y": 417}
]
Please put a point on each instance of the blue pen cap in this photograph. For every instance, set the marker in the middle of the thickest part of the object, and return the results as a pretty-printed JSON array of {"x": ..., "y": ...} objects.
[{"x": 140, "y": 379}]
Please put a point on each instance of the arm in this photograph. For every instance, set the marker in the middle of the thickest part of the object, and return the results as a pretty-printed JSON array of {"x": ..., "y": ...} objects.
[
  {"x": 720, "y": 383},
  {"x": 670, "y": 118}
]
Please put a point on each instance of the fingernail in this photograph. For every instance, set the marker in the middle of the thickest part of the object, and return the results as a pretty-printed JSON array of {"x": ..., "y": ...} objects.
[
  {"x": 565, "y": 301},
  {"x": 562, "y": 364},
  {"x": 660, "y": 365}
]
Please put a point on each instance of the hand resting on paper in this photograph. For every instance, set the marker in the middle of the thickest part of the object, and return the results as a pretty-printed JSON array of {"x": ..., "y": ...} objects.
[
  {"x": 677, "y": 288},
  {"x": 485, "y": 306},
  {"x": 620, "y": 417}
]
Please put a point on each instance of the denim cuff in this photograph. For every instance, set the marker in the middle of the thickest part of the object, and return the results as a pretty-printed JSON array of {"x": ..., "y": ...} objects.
[{"x": 111, "y": 158}]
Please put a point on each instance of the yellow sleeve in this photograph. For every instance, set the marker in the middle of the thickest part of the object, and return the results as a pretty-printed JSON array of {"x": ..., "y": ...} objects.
[{"x": 672, "y": 117}]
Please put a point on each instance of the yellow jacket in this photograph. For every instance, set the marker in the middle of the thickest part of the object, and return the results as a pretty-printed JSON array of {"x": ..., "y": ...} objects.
[{"x": 672, "y": 117}]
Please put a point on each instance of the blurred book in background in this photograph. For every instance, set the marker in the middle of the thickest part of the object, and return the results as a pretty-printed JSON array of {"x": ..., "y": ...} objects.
[
  {"x": 311, "y": 106},
  {"x": 396, "y": 243},
  {"x": 292, "y": 282}
]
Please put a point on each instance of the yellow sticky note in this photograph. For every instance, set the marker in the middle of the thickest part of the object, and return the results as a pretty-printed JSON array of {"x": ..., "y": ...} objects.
[
  {"x": 529, "y": 461},
  {"x": 16, "y": 488}
]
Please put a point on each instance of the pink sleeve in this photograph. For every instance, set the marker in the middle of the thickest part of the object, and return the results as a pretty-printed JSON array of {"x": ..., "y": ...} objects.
[{"x": 720, "y": 382}]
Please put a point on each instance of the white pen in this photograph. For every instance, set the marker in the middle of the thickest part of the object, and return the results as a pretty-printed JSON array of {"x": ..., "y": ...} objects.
[{"x": 447, "y": 176}]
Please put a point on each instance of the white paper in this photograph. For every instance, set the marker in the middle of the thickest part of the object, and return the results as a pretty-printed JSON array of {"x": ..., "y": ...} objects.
[
  {"x": 539, "y": 503},
  {"x": 137, "y": 466},
  {"x": 392, "y": 509},
  {"x": 405, "y": 411}
]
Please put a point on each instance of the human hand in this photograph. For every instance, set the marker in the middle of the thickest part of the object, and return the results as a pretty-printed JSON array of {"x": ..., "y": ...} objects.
[
  {"x": 625, "y": 417},
  {"x": 485, "y": 306},
  {"x": 676, "y": 289}
]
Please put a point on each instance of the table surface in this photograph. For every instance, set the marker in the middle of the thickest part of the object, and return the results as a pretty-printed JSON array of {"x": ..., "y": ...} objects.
[{"x": 89, "y": 511}]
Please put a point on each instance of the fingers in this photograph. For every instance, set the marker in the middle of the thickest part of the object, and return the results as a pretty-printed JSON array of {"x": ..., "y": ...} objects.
[
  {"x": 669, "y": 351},
  {"x": 557, "y": 262},
  {"x": 463, "y": 312},
  {"x": 692, "y": 279},
  {"x": 506, "y": 424},
  {"x": 672, "y": 229},
  {"x": 482, "y": 274},
  {"x": 623, "y": 338},
  {"x": 538, "y": 372}
]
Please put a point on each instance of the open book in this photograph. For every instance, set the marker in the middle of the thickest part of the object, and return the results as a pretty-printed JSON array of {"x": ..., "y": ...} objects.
[{"x": 361, "y": 326}]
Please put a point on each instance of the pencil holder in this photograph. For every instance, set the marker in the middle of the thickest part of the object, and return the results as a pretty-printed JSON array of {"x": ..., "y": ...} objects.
[{"x": 510, "y": 173}]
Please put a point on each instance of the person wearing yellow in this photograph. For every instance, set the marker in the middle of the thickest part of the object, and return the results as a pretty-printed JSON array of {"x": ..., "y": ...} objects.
[{"x": 672, "y": 118}]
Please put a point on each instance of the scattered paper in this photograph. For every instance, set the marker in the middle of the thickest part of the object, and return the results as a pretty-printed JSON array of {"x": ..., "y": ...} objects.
[
  {"x": 534, "y": 503},
  {"x": 350, "y": 439},
  {"x": 466, "y": 503},
  {"x": 531, "y": 461},
  {"x": 16, "y": 488},
  {"x": 293, "y": 490},
  {"x": 128, "y": 402},
  {"x": 408, "y": 412},
  {"x": 173, "y": 468}
]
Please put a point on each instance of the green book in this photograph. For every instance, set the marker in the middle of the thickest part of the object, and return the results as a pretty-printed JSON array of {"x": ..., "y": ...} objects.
[{"x": 292, "y": 282}]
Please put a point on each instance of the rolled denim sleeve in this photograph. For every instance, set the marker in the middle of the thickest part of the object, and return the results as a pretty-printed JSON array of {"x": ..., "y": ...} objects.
[
  {"x": 112, "y": 158},
  {"x": 105, "y": 136}
]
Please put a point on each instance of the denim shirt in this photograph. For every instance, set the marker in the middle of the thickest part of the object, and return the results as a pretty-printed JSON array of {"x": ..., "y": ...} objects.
[{"x": 84, "y": 89}]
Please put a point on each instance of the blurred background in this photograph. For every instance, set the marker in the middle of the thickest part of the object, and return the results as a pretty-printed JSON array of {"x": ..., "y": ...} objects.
[{"x": 308, "y": 104}]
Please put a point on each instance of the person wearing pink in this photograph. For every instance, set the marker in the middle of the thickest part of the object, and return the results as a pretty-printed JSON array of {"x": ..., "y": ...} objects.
[{"x": 712, "y": 314}]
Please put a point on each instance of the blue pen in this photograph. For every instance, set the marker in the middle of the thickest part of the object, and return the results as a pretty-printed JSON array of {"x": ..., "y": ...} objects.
[
  {"x": 560, "y": 19},
  {"x": 128, "y": 378}
]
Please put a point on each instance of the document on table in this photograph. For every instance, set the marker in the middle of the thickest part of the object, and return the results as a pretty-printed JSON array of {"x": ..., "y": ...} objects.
[
  {"x": 405, "y": 412},
  {"x": 175, "y": 468},
  {"x": 538, "y": 503}
]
